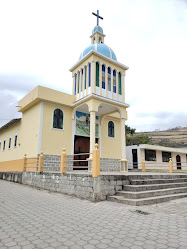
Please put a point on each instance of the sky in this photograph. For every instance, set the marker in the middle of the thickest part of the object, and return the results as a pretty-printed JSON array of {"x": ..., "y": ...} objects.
[{"x": 41, "y": 39}]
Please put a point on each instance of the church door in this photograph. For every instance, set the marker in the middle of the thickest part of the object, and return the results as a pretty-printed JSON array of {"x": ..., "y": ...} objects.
[
  {"x": 178, "y": 160},
  {"x": 81, "y": 145}
]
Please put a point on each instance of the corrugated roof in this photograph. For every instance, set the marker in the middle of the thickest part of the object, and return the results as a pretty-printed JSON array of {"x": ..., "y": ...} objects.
[{"x": 9, "y": 123}]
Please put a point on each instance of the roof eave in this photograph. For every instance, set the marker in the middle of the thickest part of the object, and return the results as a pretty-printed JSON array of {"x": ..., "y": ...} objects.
[{"x": 99, "y": 54}]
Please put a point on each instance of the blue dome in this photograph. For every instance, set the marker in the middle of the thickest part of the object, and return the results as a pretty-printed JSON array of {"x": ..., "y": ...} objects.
[
  {"x": 97, "y": 28},
  {"x": 100, "y": 48}
]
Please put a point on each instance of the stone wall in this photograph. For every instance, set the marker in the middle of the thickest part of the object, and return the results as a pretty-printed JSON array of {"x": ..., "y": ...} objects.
[
  {"x": 79, "y": 185},
  {"x": 109, "y": 164},
  {"x": 52, "y": 163}
]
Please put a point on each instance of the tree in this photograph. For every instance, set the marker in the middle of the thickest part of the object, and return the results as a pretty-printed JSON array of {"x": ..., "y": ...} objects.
[{"x": 132, "y": 139}]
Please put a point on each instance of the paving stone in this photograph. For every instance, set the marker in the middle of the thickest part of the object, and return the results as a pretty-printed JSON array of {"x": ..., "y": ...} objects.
[{"x": 50, "y": 220}]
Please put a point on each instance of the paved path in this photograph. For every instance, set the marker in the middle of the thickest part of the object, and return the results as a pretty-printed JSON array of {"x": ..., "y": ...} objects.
[{"x": 31, "y": 218}]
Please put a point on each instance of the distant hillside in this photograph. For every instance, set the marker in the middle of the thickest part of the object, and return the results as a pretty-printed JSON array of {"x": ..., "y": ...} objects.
[{"x": 176, "y": 137}]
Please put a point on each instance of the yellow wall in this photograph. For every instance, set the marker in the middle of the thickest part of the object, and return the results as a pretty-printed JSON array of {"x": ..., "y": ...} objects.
[
  {"x": 13, "y": 165},
  {"x": 54, "y": 140},
  {"x": 110, "y": 147},
  {"x": 13, "y": 152},
  {"x": 28, "y": 136}
]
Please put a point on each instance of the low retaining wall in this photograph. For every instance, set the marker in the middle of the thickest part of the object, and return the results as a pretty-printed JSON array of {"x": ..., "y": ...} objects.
[{"x": 79, "y": 185}]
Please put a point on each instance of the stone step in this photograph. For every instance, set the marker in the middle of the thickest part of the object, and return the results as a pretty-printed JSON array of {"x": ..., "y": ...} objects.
[
  {"x": 137, "y": 188},
  {"x": 146, "y": 201},
  {"x": 147, "y": 176},
  {"x": 157, "y": 181},
  {"x": 151, "y": 193}
]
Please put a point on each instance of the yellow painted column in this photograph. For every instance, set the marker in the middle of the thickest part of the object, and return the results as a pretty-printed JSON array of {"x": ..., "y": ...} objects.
[
  {"x": 123, "y": 161},
  {"x": 96, "y": 162},
  {"x": 123, "y": 139},
  {"x": 93, "y": 76},
  {"x": 106, "y": 80},
  {"x": 100, "y": 78},
  {"x": 170, "y": 166},
  {"x": 92, "y": 131}
]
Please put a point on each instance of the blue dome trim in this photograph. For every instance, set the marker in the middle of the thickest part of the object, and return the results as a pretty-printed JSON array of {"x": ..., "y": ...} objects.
[
  {"x": 100, "y": 48},
  {"x": 97, "y": 28}
]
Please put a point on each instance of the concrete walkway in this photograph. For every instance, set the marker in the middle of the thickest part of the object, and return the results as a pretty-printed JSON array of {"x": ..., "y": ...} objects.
[{"x": 31, "y": 218}]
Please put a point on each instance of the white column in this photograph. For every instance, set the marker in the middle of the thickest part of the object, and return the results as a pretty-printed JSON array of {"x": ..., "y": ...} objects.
[
  {"x": 123, "y": 138},
  {"x": 73, "y": 88},
  {"x": 87, "y": 78},
  {"x": 117, "y": 84},
  {"x": 83, "y": 87},
  {"x": 100, "y": 78},
  {"x": 92, "y": 131},
  {"x": 112, "y": 82},
  {"x": 106, "y": 80},
  {"x": 123, "y": 87},
  {"x": 93, "y": 76}
]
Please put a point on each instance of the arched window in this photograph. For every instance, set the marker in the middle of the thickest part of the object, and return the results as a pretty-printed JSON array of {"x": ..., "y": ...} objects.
[
  {"x": 58, "y": 119},
  {"x": 119, "y": 83},
  {"x": 109, "y": 79},
  {"x": 110, "y": 129},
  {"x": 114, "y": 81},
  {"x": 103, "y": 76},
  {"x": 97, "y": 74},
  {"x": 89, "y": 78},
  {"x": 75, "y": 83},
  {"x": 85, "y": 74}
]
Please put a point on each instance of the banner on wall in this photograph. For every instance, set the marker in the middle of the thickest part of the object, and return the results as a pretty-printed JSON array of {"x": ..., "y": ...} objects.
[{"x": 83, "y": 124}]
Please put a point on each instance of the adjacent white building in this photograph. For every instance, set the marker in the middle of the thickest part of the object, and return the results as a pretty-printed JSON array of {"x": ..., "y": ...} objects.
[{"x": 156, "y": 156}]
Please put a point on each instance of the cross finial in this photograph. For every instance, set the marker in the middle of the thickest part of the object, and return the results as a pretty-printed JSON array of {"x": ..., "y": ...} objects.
[{"x": 98, "y": 16}]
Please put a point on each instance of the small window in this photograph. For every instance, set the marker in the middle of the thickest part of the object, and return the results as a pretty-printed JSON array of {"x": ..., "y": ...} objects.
[
  {"x": 119, "y": 83},
  {"x": 15, "y": 140},
  {"x": 110, "y": 129},
  {"x": 97, "y": 74},
  {"x": 9, "y": 144},
  {"x": 4, "y": 144},
  {"x": 109, "y": 79},
  {"x": 58, "y": 119},
  {"x": 150, "y": 155},
  {"x": 0, "y": 144},
  {"x": 89, "y": 78},
  {"x": 103, "y": 76},
  {"x": 114, "y": 81},
  {"x": 166, "y": 156}
]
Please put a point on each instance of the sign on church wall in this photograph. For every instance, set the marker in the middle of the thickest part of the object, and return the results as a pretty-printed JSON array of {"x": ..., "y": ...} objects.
[{"x": 83, "y": 124}]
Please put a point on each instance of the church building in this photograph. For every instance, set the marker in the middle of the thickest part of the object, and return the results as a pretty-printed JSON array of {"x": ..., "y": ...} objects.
[{"x": 95, "y": 112}]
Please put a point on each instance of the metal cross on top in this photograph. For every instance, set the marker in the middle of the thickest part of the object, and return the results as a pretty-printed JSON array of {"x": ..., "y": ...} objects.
[{"x": 98, "y": 16}]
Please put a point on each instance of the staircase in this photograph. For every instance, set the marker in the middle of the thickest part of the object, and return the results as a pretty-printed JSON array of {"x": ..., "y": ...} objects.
[{"x": 151, "y": 189}]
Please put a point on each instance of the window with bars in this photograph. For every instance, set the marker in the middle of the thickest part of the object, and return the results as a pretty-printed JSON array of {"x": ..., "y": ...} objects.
[
  {"x": 109, "y": 79},
  {"x": 166, "y": 156},
  {"x": 58, "y": 119},
  {"x": 111, "y": 129},
  {"x": 119, "y": 83},
  {"x": 114, "y": 81},
  {"x": 150, "y": 155}
]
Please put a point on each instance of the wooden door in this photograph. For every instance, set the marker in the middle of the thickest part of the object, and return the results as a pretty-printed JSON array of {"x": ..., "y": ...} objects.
[{"x": 82, "y": 145}]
